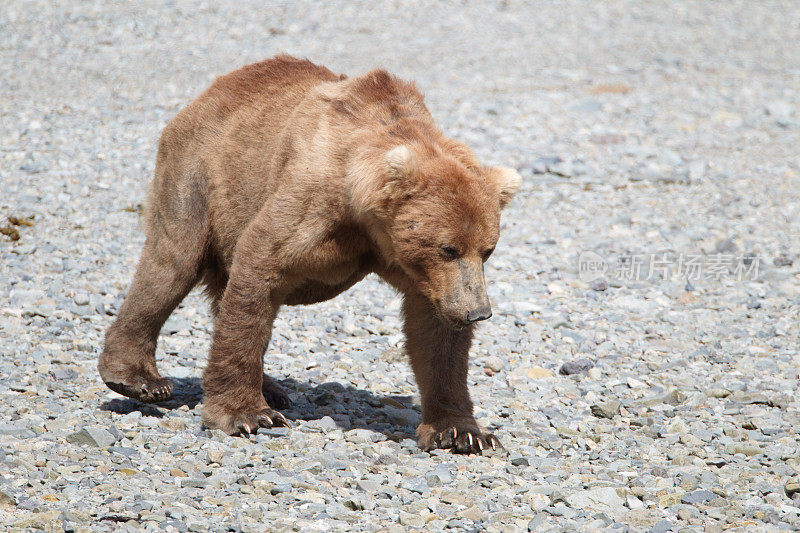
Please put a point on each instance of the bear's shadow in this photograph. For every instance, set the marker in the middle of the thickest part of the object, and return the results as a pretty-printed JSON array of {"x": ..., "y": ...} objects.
[{"x": 349, "y": 407}]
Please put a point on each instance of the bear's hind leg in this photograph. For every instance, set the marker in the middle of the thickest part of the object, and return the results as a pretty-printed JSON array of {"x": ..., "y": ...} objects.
[{"x": 167, "y": 271}]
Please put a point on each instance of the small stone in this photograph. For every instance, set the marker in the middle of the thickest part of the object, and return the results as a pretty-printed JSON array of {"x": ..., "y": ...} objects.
[
  {"x": 560, "y": 509},
  {"x": 195, "y": 483},
  {"x": 353, "y": 504},
  {"x": 749, "y": 451},
  {"x": 7, "y": 500},
  {"x": 172, "y": 424},
  {"x": 92, "y": 436},
  {"x": 39, "y": 520},
  {"x": 662, "y": 526},
  {"x": 494, "y": 363},
  {"x": 456, "y": 498},
  {"x": 606, "y": 409},
  {"x": 440, "y": 475},
  {"x": 669, "y": 499},
  {"x": 791, "y": 488},
  {"x": 781, "y": 111},
  {"x": 539, "y": 501},
  {"x": 698, "y": 496},
  {"x": 471, "y": 513},
  {"x": 555, "y": 289},
  {"x": 393, "y": 355},
  {"x": 537, "y": 372},
  {"x": 678, "y": 426},
  {"x": 634, "y": 503},
  {"x": 411, "y": 520},
  {"x": 362, "y": 436},
  {"x": 417, "y": 484},
  {"x": 325, "y": 423},
  {"x": 175, "y": 324},
  {"x": 595, "y": 373},
  {"x": 368, "y": 485},
  {"x": 635, "y": 383},
  {"x": 577, "y": 366},
  {"x": 182, "y": 372},
  {"x": 599, "y": 285},
  {"x": 275, "y": 431},
  {"x": 65, "y": 374},
  {"x": 562, "y": 322},
  {"x": 586, "y": 106},
  {"x": 75, "y": 516},
  {"x": 81, "y": 298},
  {"x": 216, "y": 456},
  {"x": 280, "y": 488},
  {"x": 597, "y": 499},
  {"x": 519, "y": 460},
  {"x": 726, "y": 246},
  {"x": 704, "y": 435},
  {"x": 783, "y": 260}
]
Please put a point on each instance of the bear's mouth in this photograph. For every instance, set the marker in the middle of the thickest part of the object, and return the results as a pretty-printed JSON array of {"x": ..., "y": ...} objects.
[{"x": 457, "y": 325}]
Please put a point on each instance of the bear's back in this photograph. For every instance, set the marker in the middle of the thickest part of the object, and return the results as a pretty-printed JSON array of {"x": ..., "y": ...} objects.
[{"x": 283, "y": 79}]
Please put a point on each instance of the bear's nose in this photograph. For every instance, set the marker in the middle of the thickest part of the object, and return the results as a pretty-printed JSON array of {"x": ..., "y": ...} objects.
[{"x": 482, "y": 313}]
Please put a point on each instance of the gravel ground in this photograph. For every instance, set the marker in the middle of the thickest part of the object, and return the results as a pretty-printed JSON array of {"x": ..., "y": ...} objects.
[{"x": 652, "y": 248}]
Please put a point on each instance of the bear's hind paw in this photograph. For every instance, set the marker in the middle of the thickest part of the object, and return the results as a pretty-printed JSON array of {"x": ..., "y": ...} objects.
[{"x": 144, "y": 390}]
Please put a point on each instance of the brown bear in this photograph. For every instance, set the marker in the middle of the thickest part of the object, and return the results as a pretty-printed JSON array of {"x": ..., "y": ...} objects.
[{"x": 284, "y": 184}]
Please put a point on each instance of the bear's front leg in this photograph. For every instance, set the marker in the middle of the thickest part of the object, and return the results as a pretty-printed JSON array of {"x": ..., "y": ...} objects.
[
  {"x": 232, "y": 383},
  {"x": 440, "y": 357}
]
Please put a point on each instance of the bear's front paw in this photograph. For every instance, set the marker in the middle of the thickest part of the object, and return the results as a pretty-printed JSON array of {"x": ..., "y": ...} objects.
[
  {"x": 243, "y": 423},
  {"x": 458, "y": 436}
]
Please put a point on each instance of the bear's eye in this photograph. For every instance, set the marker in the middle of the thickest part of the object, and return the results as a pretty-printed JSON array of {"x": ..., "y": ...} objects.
[
  {"x": 450, "y": 252},
  {"x": 487, "y": 253}
]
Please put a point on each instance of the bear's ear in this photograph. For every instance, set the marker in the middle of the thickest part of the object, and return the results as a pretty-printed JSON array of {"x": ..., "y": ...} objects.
[
  {"x": 370, "y": 194},
  {"x": 507, "y": 181},
  {"x": 401, "y": 161}
]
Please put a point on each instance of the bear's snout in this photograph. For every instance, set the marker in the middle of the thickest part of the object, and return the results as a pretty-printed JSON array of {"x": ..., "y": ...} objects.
[
  {"x": 467, "y": 301},
  {"x": 476, "y": 315}
]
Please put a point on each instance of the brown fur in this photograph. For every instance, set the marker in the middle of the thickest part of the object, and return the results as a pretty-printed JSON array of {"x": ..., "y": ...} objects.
[{"x": 284, "y": 183}]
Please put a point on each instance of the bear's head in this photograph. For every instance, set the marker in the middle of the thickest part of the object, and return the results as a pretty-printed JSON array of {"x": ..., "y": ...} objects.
[{"x": 437, "y": 217}]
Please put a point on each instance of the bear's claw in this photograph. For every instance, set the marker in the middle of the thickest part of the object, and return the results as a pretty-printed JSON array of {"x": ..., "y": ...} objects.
[
  {"x": 145, "y": 390},
  {"x": 465, "y": 440},
  {"x": 246, "y": 424}
]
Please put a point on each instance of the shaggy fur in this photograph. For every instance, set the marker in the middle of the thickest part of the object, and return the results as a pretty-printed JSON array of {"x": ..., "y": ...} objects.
[{"x": 285, "y": 184}]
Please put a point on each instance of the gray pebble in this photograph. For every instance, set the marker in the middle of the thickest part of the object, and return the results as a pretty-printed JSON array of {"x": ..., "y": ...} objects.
[
  {"x": 577, "y": 366},
  {"x": 662, "y": 526},
  {"x": 699, "y": 496},
  {"x": 92, "y": 436},
  {"x": 606, "y": 409},
  {"x": 417, "y": 484}
]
